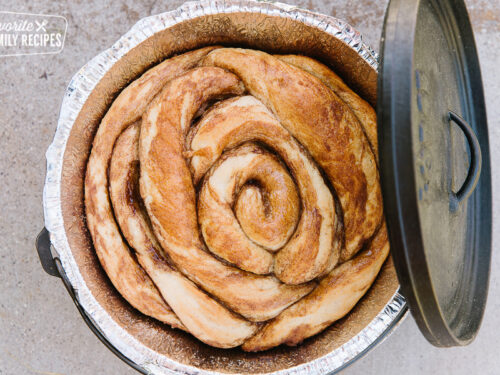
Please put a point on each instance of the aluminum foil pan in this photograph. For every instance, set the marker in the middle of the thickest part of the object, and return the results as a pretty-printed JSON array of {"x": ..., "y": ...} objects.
[{"x": 77, "y": 93}]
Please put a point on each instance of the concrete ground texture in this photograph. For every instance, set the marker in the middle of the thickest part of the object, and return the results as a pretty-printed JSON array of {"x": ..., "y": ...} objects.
[{"x": 41, "y": 332}]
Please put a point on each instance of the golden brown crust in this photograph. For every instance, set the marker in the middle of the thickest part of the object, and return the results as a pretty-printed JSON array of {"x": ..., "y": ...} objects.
[
  {"x": 244, "y": 216},
  {"x": 324, "y": 125},
  {"x": 173, "y": 210},
  {"x": 313, "y": 249},
  {"x": 123, "y": 188},
  {"x": 334, "y": 297},
  {"x": 199, "y": 314},
  {"x": 122, "y": 269},
  {"x": 361, "y": 109},
  {"x": 220, "y": 228}
]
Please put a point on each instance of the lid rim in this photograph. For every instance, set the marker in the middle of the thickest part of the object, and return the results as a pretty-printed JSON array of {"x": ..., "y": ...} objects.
[{"x": 398, "y": 178}]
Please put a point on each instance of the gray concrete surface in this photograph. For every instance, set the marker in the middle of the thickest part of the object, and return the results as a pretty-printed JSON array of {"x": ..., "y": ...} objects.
[{"x": 40, "y": 329}]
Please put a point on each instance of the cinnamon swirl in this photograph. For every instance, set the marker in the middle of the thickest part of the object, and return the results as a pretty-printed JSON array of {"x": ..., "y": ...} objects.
[{"x": 234, "y": 194}]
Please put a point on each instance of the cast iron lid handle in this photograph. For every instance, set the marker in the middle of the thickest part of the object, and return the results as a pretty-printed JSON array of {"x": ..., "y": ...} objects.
[
  {"x": 52, "y": 265},
  {"x": 474, "y": 172}
]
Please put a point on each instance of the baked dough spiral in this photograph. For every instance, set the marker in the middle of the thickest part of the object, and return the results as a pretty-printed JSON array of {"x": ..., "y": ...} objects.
[{"x": 234, "y": 194}]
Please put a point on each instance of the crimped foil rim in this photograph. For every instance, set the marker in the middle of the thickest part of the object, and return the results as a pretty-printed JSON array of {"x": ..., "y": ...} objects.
[{"x": 80, "y": 87}]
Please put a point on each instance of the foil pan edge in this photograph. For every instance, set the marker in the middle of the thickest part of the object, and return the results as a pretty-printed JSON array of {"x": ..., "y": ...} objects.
[{"x": 80, "y": 87}]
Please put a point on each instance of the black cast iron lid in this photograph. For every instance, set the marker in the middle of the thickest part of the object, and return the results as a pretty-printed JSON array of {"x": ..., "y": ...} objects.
[{"x": 435, "y": 165}]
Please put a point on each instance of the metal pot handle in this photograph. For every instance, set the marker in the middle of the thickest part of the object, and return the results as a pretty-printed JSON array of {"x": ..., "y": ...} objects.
[
  {"x": 45, "y": 254},
  {"x": 52, "y": 265}
]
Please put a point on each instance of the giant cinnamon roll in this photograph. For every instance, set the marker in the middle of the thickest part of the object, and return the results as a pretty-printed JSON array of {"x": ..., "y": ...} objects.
[{"x": 235, "y": 195}]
